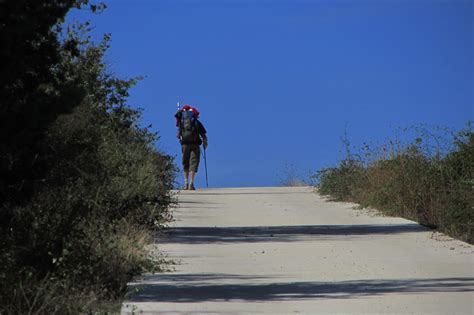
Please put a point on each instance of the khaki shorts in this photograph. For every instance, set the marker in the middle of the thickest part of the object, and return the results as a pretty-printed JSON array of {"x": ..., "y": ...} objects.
[{"x": 191, "y": 157}]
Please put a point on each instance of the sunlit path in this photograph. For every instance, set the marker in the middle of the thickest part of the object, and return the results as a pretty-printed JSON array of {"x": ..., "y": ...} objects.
[{"x": 286, "y": 251}]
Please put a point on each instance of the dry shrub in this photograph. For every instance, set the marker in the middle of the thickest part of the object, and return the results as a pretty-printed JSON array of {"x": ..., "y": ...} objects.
[{"x": 430, "y": 184}]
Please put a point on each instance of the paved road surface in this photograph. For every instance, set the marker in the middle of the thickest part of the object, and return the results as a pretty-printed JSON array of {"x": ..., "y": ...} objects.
[{"x": 287, "y": 251}]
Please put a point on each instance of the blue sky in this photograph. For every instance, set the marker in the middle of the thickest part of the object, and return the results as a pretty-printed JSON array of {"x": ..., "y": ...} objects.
[{"x": 278, "y": 81}]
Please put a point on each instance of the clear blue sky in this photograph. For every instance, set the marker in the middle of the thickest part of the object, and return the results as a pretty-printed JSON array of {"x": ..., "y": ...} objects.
[{"x": 277, "y": 81}]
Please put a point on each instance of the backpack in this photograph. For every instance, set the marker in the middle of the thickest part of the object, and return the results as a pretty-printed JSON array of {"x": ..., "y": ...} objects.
[{"x": 188, "y": 128}]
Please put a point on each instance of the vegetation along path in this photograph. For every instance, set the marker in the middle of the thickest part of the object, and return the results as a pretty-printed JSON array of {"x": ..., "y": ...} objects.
[{"x": 287, "y": 250}]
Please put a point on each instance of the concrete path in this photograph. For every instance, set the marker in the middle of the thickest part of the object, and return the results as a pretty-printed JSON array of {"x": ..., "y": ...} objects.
[{"x": 287, "y": 251}]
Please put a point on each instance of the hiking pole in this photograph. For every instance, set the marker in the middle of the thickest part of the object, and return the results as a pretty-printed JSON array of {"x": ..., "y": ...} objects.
[{"x": 205, "y": 165}]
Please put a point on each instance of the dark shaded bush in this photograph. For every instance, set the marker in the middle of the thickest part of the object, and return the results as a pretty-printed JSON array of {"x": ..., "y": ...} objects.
[
  {"x": 421, "y": 180},
  {"x": 83, "y": 185}
]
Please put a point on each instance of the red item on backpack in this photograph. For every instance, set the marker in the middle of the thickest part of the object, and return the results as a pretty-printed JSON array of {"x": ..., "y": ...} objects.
[
  {"x": 193, "y": 109},
  {"x": 186, "y": 107}
]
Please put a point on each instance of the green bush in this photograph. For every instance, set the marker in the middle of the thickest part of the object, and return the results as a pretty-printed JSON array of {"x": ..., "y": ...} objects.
[
  {"x": 30, "y": 295},
  {"x": 420, "y": 180},
  {"x": 83, "y": 186},
  {"x": 340, "y": 182}
]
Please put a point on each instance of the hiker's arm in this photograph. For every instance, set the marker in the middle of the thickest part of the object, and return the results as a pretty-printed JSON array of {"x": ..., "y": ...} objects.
[{"x": 203, "y": 134}]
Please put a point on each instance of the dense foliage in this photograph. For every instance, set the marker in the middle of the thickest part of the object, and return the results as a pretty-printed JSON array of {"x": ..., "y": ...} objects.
[
  {"x": 81, "y": 183},
  {"x": 429, "y": 179}
]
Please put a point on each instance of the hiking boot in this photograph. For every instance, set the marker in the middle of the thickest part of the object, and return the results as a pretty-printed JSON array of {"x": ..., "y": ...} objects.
[{"x": 191, "y": 187}]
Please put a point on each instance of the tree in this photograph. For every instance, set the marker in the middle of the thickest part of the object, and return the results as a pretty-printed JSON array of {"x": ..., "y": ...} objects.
[{"x": 81, "y": 183}]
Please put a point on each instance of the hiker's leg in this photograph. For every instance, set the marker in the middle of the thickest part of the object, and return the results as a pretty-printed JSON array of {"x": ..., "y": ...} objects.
[
  {"x": 194, "y": 163},
  {"x": 186, "y": 159},
  {"x": 186, "y": 178}
]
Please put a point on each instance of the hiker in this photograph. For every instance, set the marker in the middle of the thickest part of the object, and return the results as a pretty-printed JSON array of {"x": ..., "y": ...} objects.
[{"x": 191, "y": 134}]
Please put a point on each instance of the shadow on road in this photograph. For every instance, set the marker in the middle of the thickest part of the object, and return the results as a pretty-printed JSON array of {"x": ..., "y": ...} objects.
[
  {"x": 203, "y": 235},
  {"x": 196, "y": 292},
  {"x": 200, "y": 277},
  {"x": 226, "y": 193}
]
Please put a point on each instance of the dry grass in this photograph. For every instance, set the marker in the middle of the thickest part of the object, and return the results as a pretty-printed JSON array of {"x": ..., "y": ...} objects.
[{"x": 431, "y": 184}]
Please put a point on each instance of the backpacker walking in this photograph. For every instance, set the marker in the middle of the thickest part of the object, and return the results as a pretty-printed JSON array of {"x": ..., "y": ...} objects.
[{"x": 191, "y": 134}]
